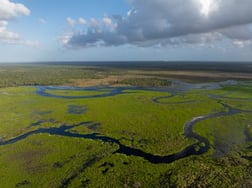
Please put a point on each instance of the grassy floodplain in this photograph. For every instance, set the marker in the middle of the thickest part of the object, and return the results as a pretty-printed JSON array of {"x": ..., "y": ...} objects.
[{"x": 151, "y": 120}]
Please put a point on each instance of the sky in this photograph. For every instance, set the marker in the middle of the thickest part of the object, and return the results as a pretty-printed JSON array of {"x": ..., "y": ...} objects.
[{"x": 125, "y": 30}]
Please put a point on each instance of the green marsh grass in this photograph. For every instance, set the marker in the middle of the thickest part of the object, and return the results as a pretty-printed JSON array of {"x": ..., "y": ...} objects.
[{"x": 135, "y": 120}]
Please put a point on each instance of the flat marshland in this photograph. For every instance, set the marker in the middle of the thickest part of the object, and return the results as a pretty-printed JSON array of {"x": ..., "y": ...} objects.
[{"x": 126, "y": 125}]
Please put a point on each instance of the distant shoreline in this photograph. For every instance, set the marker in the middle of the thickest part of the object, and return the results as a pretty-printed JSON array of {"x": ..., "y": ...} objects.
[
  {"x": 133, "y": 62},
  {"x": 211, "y": 66}
]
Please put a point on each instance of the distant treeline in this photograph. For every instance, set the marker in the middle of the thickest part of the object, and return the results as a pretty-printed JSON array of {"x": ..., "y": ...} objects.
[
  {"x": 221, "y": 66},
  {"x": 24, "y": 75},
  {"x": 57, "y": 73}
]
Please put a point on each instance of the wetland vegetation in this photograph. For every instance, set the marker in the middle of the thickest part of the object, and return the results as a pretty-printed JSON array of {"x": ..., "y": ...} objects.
[{"x": 114, "y": 125}]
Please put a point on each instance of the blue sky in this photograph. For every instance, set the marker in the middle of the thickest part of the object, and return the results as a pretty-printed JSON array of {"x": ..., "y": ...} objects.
[{"x": 98, "y": 30}]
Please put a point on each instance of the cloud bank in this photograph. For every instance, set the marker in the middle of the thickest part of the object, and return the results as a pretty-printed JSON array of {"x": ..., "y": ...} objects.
[
  {"x": 8, "y": 12},
  {"x": 163, "y": 22}
]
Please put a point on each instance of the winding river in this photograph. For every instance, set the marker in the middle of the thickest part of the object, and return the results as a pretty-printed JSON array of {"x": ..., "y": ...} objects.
[{"x": 201, "y": 146}]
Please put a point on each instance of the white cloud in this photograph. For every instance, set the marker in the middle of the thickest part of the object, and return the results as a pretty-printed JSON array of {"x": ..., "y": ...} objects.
[
  {"x": 9, "y": 37},
  {"x": 107, "y": 21},
  {"x": 207, "y": 6},
  {"x": 9, "y": 11},
  {"x": 5, "y": 35},
  {"x": 82, "y": 21},
  {"x": 71, "y": 21},
  {"x": 32, "y": 43},
  {"x": 241, "y": 43},
  {"x": 42, "y": 20},
  {"x": 93, "y": 22},
  {"x": 65, "y": 38},
  {"x": 163, "y": 22}
]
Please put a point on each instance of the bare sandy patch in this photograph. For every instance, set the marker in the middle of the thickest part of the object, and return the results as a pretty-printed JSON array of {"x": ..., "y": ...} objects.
[{"x": 200, "y": 76}]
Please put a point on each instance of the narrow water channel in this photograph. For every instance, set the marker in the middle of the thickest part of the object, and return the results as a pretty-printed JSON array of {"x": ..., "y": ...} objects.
[{"x": 201, "y": 146}]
